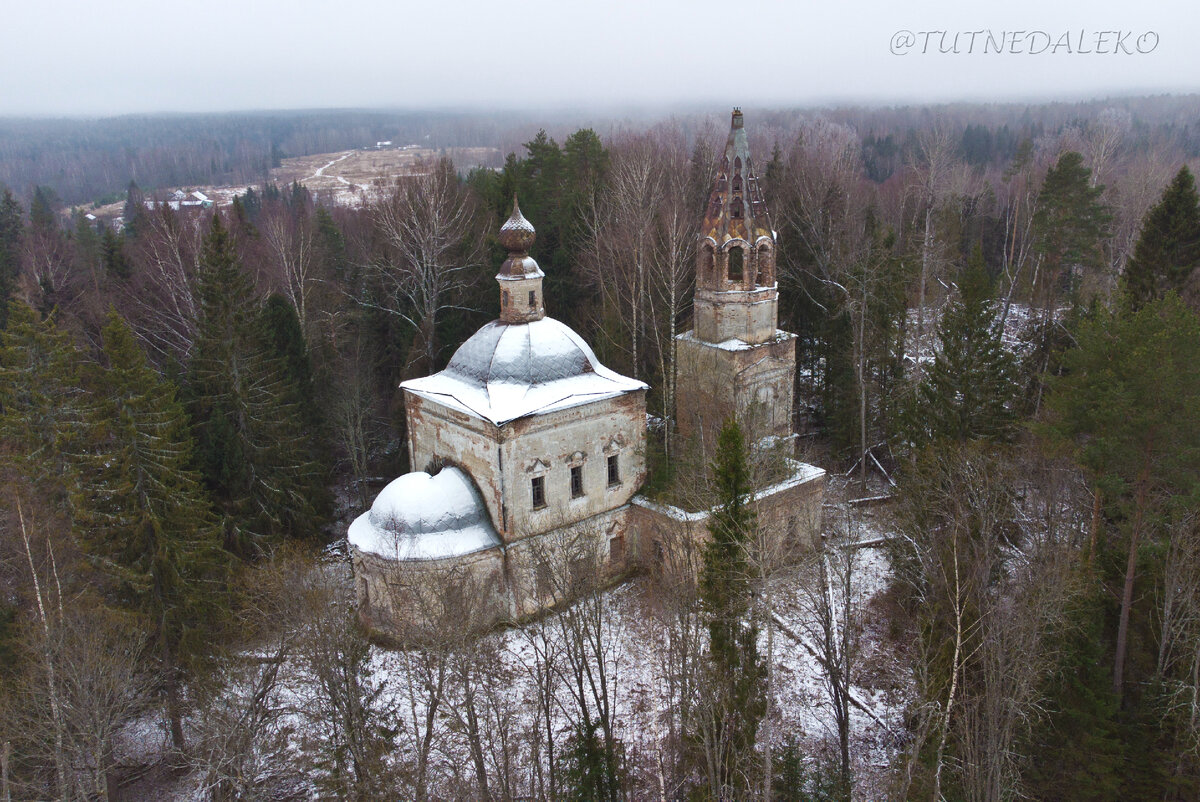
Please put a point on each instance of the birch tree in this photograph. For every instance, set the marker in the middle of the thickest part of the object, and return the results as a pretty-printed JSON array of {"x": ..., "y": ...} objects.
[{"x": 426, "y": 222}]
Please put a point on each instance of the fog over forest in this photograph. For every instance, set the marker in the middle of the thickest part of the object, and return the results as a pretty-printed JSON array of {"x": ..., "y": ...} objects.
[{"x": 133, "y": 56}]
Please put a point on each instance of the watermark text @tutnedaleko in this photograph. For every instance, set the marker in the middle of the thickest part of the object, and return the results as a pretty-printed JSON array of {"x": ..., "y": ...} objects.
[{"x": 1032, "y": 43}]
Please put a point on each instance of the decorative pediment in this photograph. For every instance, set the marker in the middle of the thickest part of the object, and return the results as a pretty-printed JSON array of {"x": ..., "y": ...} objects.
[
  {"x": 536, "y": 467},
  {"x": 615, "y": 444},
  {"x": 578, "y": 458}
]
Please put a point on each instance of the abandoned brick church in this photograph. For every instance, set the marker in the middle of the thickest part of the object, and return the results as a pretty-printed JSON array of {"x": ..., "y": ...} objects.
[{"x": 532, "y": 452}]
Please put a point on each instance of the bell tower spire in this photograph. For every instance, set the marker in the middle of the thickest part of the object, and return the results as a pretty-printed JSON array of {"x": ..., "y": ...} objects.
[
  {"x": 520, "y": 278},
  {"x": 736, "y": 293}
]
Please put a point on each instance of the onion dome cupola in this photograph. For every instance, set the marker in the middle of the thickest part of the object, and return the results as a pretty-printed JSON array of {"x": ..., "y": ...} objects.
[
  {"x": 736, "y": 293},
  {"x": 520, "y": 278}
]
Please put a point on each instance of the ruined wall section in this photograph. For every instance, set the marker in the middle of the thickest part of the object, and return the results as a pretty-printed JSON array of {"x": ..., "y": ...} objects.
[
  {"x": 755, "y": 382},
  {"x": 672, "y": 538},
  {"x": 439, "y": 434},
  {"x": 405, "y": 599},
  {"x": 750, "y": 316}
]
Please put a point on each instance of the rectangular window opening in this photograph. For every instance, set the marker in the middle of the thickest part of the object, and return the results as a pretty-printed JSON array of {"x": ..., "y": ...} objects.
[
  {"x": 577, "y": 481},
  {"x": 532, "y": 299},
  {"x": 539, "y": 492},
  {"x": 614, "y": 471}
]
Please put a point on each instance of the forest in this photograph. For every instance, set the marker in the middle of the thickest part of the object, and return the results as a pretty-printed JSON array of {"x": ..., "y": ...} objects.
[{"x": 998, "y": 363}]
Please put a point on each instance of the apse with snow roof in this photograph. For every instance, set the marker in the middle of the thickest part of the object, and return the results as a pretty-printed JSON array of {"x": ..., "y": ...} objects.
[{"x": 549, "y": 443}]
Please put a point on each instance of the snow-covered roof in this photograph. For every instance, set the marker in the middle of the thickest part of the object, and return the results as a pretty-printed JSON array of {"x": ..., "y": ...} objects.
[
  {"x": 509, "y": 370},
  {"x": 423, "y": 517}
]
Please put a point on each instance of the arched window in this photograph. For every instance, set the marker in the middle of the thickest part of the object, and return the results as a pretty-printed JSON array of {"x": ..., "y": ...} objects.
[
  {"x": 737, "y": 164},
  {"x": 737, "y": 183},
  {"x": 736, "y": 264},
  {"x": 735, "y": 209}
]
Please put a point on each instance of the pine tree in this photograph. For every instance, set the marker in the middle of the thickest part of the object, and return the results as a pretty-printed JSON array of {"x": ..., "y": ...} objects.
[
  {"x": 251, "y": 445},
  {"x": 1130, "y": 405},
  {"x": 142, "y": 513},
  {"x": 1068, "y": 226},
  {"x": 738, "y": 674},
  {"x": 1168, "y": 248},
  {"x": 969, "y": 390}
]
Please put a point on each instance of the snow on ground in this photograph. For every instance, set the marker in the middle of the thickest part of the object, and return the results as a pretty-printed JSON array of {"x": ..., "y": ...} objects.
[
  {"x": 634, "y": 650},
  {"x": 1017, "y": 326},
  {"x": 801, "y": 708}
]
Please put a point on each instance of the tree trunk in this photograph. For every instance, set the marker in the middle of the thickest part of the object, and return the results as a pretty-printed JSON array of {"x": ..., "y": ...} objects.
[
  {"x": 1127, "y": 592},
  {"x": 5, "y": 752},
  {"x": 925, "y": 251},
  {"x": 60, "y": 757},
  {"x": 954, "y": 669},
  {"x": 862, "y": 390}
]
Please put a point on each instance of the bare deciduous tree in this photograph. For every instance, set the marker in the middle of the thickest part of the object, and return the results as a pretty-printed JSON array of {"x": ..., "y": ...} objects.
[
  {"x": 426, "y": 221},
  {"x": 161, "y": 302},
  {"x": 289, "y": 235}
]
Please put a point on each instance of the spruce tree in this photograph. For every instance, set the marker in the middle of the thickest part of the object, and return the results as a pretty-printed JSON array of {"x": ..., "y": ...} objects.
[
  {"x": 738, "y": 674},
  {"x": 1168, "y": 248},
  {"x": 969, "y": 390},
  {"x": 251, "y": 446},
  {"x": 11, "y": 228},
  {"x": 141, "y": 512},
  {"x": 112, "y": 254},
  {"x": 1075, "y": 750},
  {"x": 39, "y": 399},
  {"x": 285, "y": 339}
]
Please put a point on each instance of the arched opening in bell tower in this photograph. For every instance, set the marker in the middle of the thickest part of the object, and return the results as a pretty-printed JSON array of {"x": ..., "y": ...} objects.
[{"x": 736, "y": 264}]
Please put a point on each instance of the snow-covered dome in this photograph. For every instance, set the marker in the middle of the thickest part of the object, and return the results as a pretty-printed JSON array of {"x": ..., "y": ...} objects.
[
  {"x": 424, "y": 517},
  {"x": 509, "y": 370}
]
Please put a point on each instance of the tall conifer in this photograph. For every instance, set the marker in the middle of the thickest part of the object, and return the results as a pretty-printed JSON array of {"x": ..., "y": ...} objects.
[
  {"x": 11, "y": 228},
  {"x": 141, "y": 512},
  {"x": 39, "y": 398},
  {"x": 1168, "y": 249},
  {"x": 969, "y": 390},
  {"x": 738, "y": 673},
  {"x": 251, "y": 446}
]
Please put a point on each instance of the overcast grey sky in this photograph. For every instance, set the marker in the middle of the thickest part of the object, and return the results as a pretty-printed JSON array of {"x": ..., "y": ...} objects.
[{"x": 92, "y": 57}]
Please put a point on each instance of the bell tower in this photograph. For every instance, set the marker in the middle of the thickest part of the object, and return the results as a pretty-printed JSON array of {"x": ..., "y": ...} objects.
[{"x": 735, "y": 361}]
